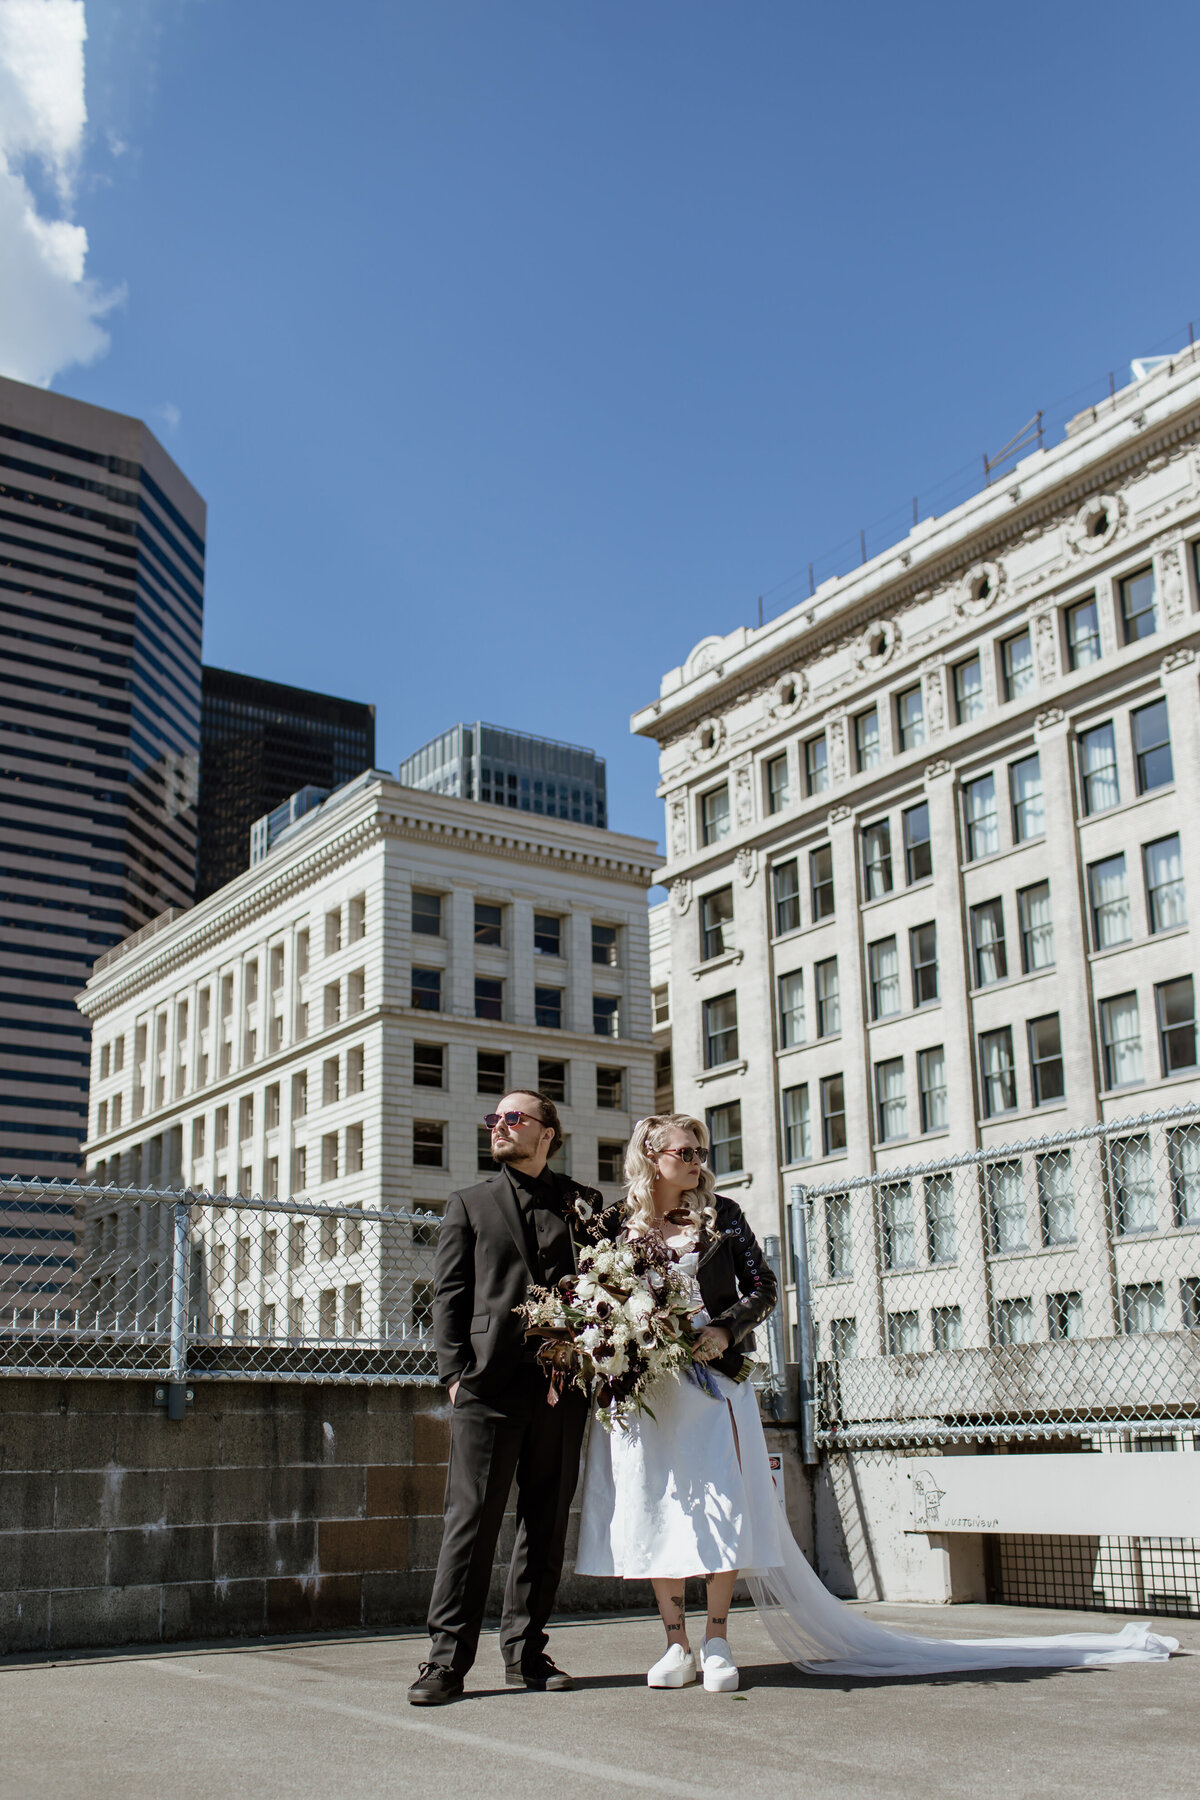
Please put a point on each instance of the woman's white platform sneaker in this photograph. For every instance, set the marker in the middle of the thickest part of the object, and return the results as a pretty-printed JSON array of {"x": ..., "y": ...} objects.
[
  {"x": 674, "y": 1670},
  {"x": 720, "y": 1670}
]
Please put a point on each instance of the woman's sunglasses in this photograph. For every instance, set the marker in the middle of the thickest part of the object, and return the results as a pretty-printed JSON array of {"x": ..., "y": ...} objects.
[
  {"x": 686, "y": 1155},
  {"x": 511, "y": 1119}
]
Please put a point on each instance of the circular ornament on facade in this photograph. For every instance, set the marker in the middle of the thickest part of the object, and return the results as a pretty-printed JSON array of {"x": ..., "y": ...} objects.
[
  {"x": 1096, "y": 523},
  {"x": 707, "y": 739},
  {"x": 980, "y": 589},
  {"x": 788, "y": 695},
  {"x": 877, "y": 644},
  {"x": 704, "y": 656}
]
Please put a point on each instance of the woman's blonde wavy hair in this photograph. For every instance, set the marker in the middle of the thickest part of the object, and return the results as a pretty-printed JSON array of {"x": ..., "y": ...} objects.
[{"x": 641, "y": 1171}]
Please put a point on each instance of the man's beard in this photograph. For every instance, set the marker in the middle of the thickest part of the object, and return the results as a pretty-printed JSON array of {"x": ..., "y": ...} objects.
[{"x": 507, "y": 1151}]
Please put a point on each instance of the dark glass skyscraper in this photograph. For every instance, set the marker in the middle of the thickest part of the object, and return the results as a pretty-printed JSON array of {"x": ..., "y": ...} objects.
[{"x": 260, "y": 743}]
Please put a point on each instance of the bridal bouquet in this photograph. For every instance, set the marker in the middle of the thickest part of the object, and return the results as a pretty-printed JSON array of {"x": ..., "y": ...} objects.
[{"x": 616, "y": 1326}]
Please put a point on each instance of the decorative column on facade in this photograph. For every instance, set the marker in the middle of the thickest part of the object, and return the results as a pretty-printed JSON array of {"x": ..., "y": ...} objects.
[
  {"x": 1179, "y": 673},
  {"x": 460, "y": 972},
  {"x": 856, "y": 1074},
  {"x": 1069, "y": 913},
  {"x": 579, "y": 975},
  {"x": 521, "y": 962}
]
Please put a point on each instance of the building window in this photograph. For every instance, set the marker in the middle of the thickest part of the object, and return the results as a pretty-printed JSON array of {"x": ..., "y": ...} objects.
[
  {"x": 356, "y": 992},
  {"x": 898, "y": 1219},
  {"x": 785, "y": 886},
  {"x": 1016, "y": 656},
  {"x": 491, "y": 1072},
  {"x": 931, "y": 1080},
  {"x": 358, "y": 919},
  {"x": 833, "y": 1114},
  {"x": 547, "y": 1008},
  {"x": 829, "y": 1009},
  {"x": 725, "y": 1137},
  {"x": 714, "y": 815},
  {"x": 941, "y": 1223},
  {"x": 1183, "y": 1157},
  {"x": 910, "y": 715},
  {"x": 1098, "y": 768},
  {"x": 489, "y": 921},
  {"x": 1056, "y": 1198},
  {"x": 299, "y": 1185},
  {"x": 1015, "y": 1323},
  {"x": 606, "y": 1016},
  {"x": 604, "y": 946},
  {"x": 1176, "y": 1007},
  {"x": 427, "y": 914},
  {"x": 1152, "y": 747},
  {"x": 552, "y": 1080},
  {"x": 1025, "y": 786},
  {"x": 331, "y": 1082},
  {"x": 968, "y": 691},
  {"x": 660, "y": 999},
  {"x": 300, "y": 1094},
  {"x": 427, "y": 990},
  {"x": 1083, "y": 634},
  {"x": 1134, "y": 1205},
  {"x": 922, "y": 949},
  {"x": 429, "y": 1065},
  {"x": 816, "y": 765},
  {"x": 221, "y": 1128},
  {"x": 982, "y": 819},
  {"x": 791, "y": 1009},
  {"x": 333, "y": 931},
  {"x": 421, "y": 1309},
  {"x": 1139, "y": 616},
  {"x": 1121, "y": 1037},
  {"x": 662, "y": 1079},
  {"x": 489, "y": 998},
  {"x": 884, "y": 962},
  {"x": 1189, "y": 1302},
  {"x": 1166, "y": 901},
  {"x": 1037, "y": 927},
  {"x": 998, "y": 1072},
  {"x": 797, "y": 1143},
  {"x": 820, "y": 870},
  {"x": 610, "y": 1161},
  {"x": 354, "y": 1152},
  {"x": 1064, "y": 1316},
  {"x": 839, "y": 1244},
  {"x": 843, "y": 1339},
  {"x": 987, "y": 943},
  {"x": 877, "y": 859},
  {"x": 1045, "y": 1059},
  {"x": 716, "y": 924},
  {"x": 429, "y": 1144},
  {"x": 778, "y": 792},
  {"x": 1143, "y": 1307},
  {"x": 1007, "y": 1214},
  {"x": 333, "y": 1004},
  {"x": 720, "y": 1031},
  {"x": 868, "y": 748},
  {"x": 1108, "y": 893},
  {"x": 547, "y": 935},
  {"x": 903, "y": 1333},
  {"x": 918, "y": 851},
  {"x": 890, "y": 1100},
  {"x": 329, "y": 1156},
  {"x": 610, "y": 1089},
  {"x": 356, "y": 1069},
  {"x": 946, "y": 1327}
]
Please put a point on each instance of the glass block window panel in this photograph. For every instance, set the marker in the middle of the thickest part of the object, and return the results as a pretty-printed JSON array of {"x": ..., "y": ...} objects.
[
  {"x": 829, "y": 1007},
  {"x": 429, "y": 1065},
  {"x": 884, "y": 963},
  {"x": 998, "y": 1073},
  {"x": 877, "y": 859},
  {"x": 1037, "y": 928},
  {"x": 816, "y": 765},
  {"x": 922, "y": 944},
  {"x": 1166, "y": 899},
  {"x": 605, "y": 946},
  {"x": 1007, "y": 1211},
  {"x": 547, "y": 935},
  {"x": 1132, "y": 1172},
  {"x": 797, "y": 1142},
  {"x": 1045, "y": 1059},
  {"x": 778, "y": 788},
  {"x": 491, "y": 1072},
  {"x": 981, "y": 817},
  {"x": 898, "y": 1223},
  {"x": 833, "y": 1114},
  {"x": 1183, "y": 1160},
  {"x": 820, "y": 870},
  {"x": 714, "y": 816},
  {"x": 1175, "y": 1003},
  {"x": 1016, "y": 656},
  {"x": 791, "y": 1009},
  {"x": 429, "y": 1144},
  {"x": 1025, "y": 784},
  {"x": 839, "y": 1259},
  {"x": 946, "y": 1326},
  {"x": 941, "y": 1225},
  {"x": 716, "y": 924},
  {"x": 843, "y": 1339},
  {"x": 489, "y": 922},
  {"x": 1098, "y": 768},
  {"x": 1015, "y": 1322},
  {"x": 931, "y": 1078},
  {"x": 1121, "y": 1036},
  {"x": 489, "y": 998},
  {"x": 785, "y": 892},
  {"x": 552, "y": 1079},
  {"x": 548, "y": 1008},
  {"x": 968, "y": 691},
  {"x": 610, "y": 1089},
  {"x": 918, "y": 850},
  {"x": 903, "y": 1333},
  {"x": 725, "y": 1137},
  {"x": 1083, "y": 634},
  {"x": 1152, "y": 746},
  {"x": 868, "y": 748},
  {"x": 910, "y": 715},
  {"x": 890, "y": 1100},
  {"x": 427, "y": 990},
  {"x": 1139, "y": 614},
  {"x": 720, "y": 1030},
  {"x": 987, "y": 943},
  {"x": 1056, "y": 1197},
  {"x": 1144, "y": 1307},
  {"x": 606, "y": 1015},
  {"x": 1064, "y": 1316}
]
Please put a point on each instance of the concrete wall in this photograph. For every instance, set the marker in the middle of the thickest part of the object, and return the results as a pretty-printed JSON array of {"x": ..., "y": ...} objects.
[{"x": 861, "y": 1511}]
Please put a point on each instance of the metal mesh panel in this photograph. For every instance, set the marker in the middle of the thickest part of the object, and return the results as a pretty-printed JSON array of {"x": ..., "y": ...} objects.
[
  {"x": 1041, "y": 1287},
  {"x": 142, "y": 1282}
]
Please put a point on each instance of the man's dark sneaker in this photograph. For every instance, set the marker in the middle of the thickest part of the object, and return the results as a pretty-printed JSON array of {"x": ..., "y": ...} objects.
[
  {"x": 435, "y": 1684},
  {"x": 540, "y": 1674}
]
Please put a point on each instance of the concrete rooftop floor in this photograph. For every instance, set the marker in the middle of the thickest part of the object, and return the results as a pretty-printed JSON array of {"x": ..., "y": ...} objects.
[{"x": 319, "y": 1718}]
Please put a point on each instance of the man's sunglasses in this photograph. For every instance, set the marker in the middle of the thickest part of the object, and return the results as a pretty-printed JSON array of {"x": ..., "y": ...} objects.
[
  {"x": 511, "y": 1119},
  {"x": 686, "y": 1155}
]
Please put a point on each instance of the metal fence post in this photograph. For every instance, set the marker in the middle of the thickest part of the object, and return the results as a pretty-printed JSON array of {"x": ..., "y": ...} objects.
[
  {"x": 177, "y": 1375},
  {"x": 804, "y": 1329},
  {"x": 774, "y": 1388}
]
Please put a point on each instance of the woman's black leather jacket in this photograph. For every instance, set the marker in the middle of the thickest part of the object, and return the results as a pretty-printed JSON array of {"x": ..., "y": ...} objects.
[{"x": 737, "y": 1283}]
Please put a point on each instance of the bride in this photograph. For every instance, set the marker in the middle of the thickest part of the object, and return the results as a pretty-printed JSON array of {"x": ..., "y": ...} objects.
[{"x": 687, "y": 1491}]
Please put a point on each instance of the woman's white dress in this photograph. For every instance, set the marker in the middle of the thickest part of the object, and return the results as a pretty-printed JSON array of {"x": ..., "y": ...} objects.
[{"x": 689, "y": 1492}]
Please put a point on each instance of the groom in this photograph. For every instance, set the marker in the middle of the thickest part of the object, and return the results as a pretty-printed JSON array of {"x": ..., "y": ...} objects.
[{"x": 517, "y": 1228}]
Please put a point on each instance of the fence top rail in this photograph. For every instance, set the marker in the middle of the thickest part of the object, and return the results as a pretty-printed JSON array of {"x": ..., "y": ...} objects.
[
  {"x": 1171, "y": 1115},
  {"x": 81, "y": 1192}
]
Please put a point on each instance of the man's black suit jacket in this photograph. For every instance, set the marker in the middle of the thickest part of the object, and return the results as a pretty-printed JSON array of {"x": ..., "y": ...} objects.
[{"x": 482, "y": 1272}]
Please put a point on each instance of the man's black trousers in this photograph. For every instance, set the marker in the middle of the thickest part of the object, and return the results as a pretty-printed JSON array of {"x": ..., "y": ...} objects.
[{"x": 513, "y": 1433}]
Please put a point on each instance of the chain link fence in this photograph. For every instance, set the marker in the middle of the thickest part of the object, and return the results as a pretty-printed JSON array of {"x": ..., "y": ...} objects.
[{"x": 1046, "y": 1288}]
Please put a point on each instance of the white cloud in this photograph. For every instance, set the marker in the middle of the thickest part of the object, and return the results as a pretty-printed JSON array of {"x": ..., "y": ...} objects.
[{"x": 49, "y": 309}]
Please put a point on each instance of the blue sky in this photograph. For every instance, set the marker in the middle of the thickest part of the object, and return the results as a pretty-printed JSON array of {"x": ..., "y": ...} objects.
[{"x": 516, "y": 346}]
